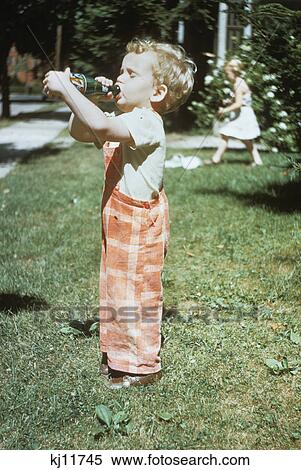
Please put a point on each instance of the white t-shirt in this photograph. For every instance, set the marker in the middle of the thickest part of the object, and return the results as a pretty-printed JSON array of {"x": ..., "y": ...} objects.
[{"x": 143, "y": 164}]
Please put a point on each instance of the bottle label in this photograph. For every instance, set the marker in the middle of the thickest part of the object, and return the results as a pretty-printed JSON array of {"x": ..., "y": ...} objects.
[
  {"x": 90, "y": 86},
  {"x": 79, "y": 81}
]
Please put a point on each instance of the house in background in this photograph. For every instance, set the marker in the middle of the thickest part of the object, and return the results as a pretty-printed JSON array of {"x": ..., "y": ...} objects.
[
  {"x": 231, "y": 31},
  {"x": 228, "y": 30},
  {"x": 22, "y": 68}
]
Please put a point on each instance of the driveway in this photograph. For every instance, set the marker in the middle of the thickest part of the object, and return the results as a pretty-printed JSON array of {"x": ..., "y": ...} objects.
[{"x": 32, "y": 131}]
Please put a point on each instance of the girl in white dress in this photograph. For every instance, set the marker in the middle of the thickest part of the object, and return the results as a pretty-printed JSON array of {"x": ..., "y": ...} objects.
[{"x": 243, "y": 124}]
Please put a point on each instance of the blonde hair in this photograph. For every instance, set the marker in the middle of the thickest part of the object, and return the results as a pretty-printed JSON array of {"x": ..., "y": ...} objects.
[
  {"x": 175, "y": 70},
  {"x": 236, "y": 66}
]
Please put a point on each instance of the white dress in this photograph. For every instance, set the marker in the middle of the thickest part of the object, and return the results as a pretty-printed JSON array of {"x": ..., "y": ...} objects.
[{"x": 243, "y": 124}]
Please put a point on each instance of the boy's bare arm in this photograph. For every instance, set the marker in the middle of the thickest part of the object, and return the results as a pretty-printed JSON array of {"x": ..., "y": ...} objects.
[
  {"x": 100, "y": 127},
  {"x": 79, "y": 131},
  {"x": 90, "y": 120}
]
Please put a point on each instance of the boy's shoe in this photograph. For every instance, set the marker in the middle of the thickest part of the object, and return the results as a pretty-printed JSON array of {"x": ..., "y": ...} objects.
[{"x": 127, "y": 381}]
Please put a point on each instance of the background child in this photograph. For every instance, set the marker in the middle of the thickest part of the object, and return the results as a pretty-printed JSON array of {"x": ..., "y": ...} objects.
[
  {"x": 155, "y": 78},
  {"x": 243, "y": 124}
]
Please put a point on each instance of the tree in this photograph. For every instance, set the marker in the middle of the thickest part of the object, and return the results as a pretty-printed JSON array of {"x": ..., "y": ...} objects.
[
  {"x": 272, "y": 60},
  {"x": 102, "y": 30},
  {"x": 31, "y": 25},
  {"x": 276, "y": 42}
]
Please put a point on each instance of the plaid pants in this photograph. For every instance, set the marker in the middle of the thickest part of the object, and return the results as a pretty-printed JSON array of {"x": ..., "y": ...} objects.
[{"x": 135, "y": 237}]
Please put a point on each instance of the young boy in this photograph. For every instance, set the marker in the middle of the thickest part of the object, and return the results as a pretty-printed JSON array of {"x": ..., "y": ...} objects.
[{"x": 155, "y": 78}]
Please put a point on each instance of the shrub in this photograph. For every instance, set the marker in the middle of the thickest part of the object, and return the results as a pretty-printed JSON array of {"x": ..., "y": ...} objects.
[{"x": 272, "y": 70}]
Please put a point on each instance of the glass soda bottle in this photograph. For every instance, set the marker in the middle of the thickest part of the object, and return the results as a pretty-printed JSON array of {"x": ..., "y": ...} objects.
[{"x": 90, "y": 86}]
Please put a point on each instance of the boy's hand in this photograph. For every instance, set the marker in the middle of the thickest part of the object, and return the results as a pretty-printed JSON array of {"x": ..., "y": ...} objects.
[
  {"x": 56, "y": 84},
  {"x": 221, "y": 112},
  {"x": 107, "y": 82}
]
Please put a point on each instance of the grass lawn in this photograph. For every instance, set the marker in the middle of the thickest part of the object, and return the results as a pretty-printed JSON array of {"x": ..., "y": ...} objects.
[
  {"x": 5, "y": 123},
  {"x": 232, "y": 301}
]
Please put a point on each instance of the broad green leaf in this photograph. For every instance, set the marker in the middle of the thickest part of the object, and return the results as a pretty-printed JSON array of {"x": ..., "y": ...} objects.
[
  {"x": 165, "y": 416},
  {"x": 94, "y": 327},
  {"x": 120, "y": 417},
  {"x": 68, "y": 330},
  {"x": 104, "y": 414},
  {"x": 295, "y": 338},
  {"x": 284, "y": 364},
  {"x": 273, "y": 364},
  {"x": 129, "y": 427}
]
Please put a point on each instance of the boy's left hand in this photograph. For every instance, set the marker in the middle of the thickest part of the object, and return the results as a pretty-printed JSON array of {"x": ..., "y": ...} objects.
[{"x": 56, "y": 83}]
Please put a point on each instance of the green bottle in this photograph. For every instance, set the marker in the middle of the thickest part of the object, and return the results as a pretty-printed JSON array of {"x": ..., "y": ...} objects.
[{"x": 90, "y": 86}]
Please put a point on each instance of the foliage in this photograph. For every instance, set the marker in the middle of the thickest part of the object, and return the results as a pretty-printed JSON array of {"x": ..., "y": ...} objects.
[
  {"x": 272, "y": 60},
  {"x": 31, "y": 26},
  {"x": 280, "y": 366},
  {"x": 103, "y": 29},
  {"x": 119, "y": 422},
  {"x": 277, "y": 44}
]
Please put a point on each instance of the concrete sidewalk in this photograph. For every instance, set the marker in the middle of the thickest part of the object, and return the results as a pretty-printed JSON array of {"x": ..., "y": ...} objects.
[
  {"x": 35, "y": 130},
  {"x": 19, "y": 139},
  {"x": 17, "y": 108},
  {"x": 209, "y": 141}
]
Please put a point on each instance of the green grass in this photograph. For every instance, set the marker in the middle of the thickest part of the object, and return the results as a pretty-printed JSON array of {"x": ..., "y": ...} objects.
[
  {"x": 6, "y": 122},
  {"x": 231, "y": 290}
]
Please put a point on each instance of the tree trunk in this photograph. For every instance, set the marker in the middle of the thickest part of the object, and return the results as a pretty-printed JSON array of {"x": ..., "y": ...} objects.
[
  {"x": 4, "y": 84},
  {"x": 58, "y": 47}
]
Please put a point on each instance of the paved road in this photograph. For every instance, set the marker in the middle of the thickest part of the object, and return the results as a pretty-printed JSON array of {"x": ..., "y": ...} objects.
[
  {"x": 35, "y": 131},
  {"x": 21, "y": 103},
  {"x": 33, "y": 98},
  {"x": 180, "y": 141},
  {"x": 17, "y": 108},
  {"x": 19, "y": 139}
]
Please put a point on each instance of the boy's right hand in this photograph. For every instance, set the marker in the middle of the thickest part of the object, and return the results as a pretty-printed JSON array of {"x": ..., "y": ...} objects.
[{"x": 107, "y": 82}]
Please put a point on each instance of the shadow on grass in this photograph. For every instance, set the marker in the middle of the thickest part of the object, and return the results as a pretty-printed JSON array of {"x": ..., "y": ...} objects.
[
  {"x": 9, "y": 154},
  {"x": 12, "y": 303},
  {"x": 235, "y": 161},
  {"x": 277, "y": 197},
  {"x": 43, "y": 115},
  {"x": 170, "y": 313},
  {"x": 84, "y": 326},
  {"x": 43, "y": 152}
]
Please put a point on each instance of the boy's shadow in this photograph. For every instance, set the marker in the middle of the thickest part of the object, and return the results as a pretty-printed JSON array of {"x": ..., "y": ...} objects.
[{"x": 12, "y": 303}]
